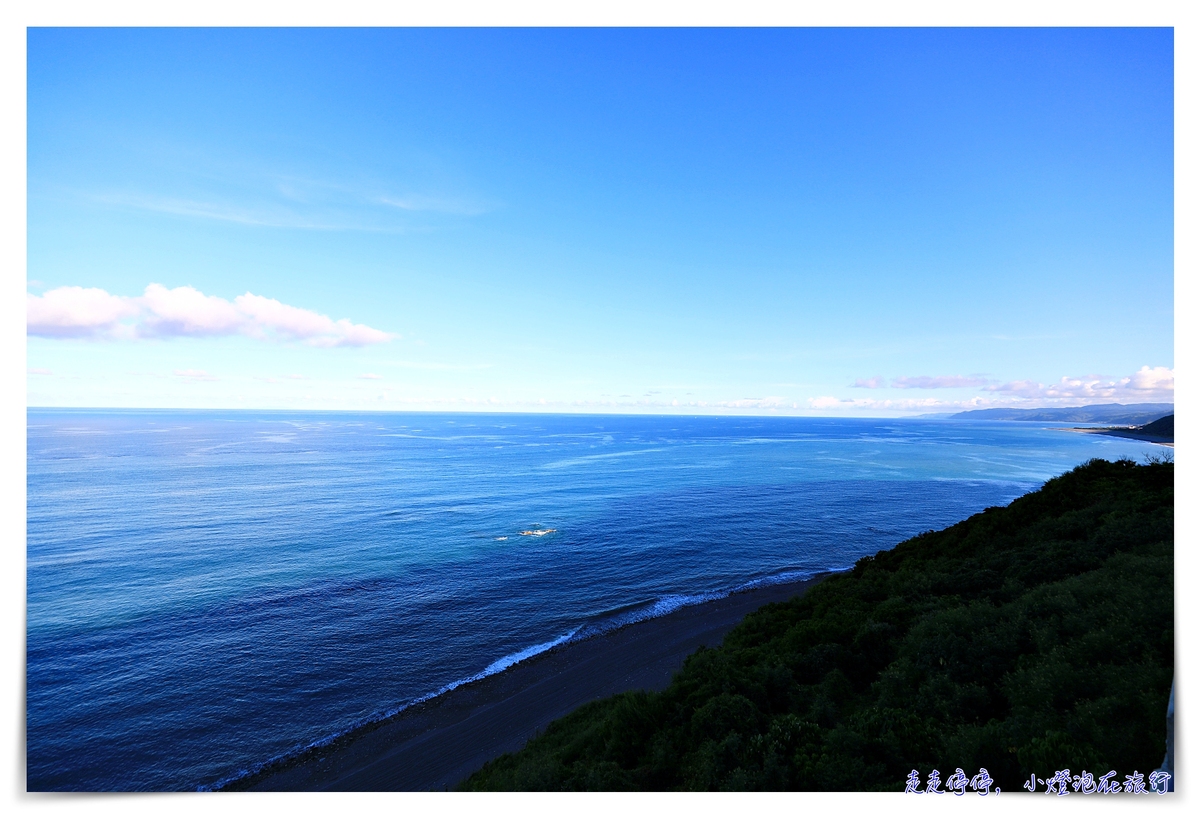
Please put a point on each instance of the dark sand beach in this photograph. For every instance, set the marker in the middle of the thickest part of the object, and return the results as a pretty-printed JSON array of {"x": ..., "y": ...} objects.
[
  {"x": 435, "y": 745},
  {"x": 1161, "y": 431},
  {"x": 1131, "y": 434}
]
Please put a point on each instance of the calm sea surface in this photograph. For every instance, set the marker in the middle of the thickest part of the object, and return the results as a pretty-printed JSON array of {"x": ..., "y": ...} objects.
[{"x": 211, "y": 590}]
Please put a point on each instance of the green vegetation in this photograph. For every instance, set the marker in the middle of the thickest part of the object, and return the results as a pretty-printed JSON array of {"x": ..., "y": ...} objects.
[
  {"x": 1160, "y": 431},
  {"x": 1026, "y": 639},
  {"x": 1163, "y": 427}
]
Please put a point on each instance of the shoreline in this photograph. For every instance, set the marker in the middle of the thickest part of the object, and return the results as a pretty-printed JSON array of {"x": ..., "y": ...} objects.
[
  {"x": 438, "y": 742},
  {"x": 1130, "y": 434}
]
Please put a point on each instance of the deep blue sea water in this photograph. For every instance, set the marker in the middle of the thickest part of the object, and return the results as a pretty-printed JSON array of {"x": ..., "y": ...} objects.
[{"x": 211, "y": 590}]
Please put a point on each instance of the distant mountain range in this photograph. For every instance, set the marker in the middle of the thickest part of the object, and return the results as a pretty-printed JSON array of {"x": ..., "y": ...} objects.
[{"x": 1131, "y": 415}]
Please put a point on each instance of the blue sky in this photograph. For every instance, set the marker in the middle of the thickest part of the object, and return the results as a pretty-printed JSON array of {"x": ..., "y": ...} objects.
[{"x": 794, "y": 221}]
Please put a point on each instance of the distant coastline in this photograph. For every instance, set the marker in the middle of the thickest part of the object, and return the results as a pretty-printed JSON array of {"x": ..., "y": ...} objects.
[
  {"x": 1161, "y": 431},
  {"x": 1131, "y": 434},
  {"x": 1112, "y": 413}
]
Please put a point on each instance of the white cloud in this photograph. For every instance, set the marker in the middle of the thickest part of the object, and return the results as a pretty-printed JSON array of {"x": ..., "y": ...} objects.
[
  {"x": 830, "y": 402},
  {"x": 1147, "y": 384},
  {"x": 297, "y": 323},
  {"x": 1158, "y": 379},
  {"x": 370, "y": 376},
  {"x": 187, "y": 311},
  {"x": 75, "y": 312},
  {"x": 1156, "y": 384}
]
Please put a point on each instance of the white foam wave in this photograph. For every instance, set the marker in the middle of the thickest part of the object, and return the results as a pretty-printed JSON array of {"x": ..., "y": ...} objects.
[
  {"x": 673, "y": 602},
  {"x": 495, "y": 667},
  {"x": 659, "y": 607}
]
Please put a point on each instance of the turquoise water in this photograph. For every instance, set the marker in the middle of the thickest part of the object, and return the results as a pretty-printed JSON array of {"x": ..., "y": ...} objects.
[{"x": 211, "y": 590}]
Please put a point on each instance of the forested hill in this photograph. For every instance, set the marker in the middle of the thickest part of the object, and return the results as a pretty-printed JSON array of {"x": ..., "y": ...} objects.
[
  {"x": 1163, "y": 427},
  {"x": 1134, "y": 413},
  {"x": 1026, "y": 639}
]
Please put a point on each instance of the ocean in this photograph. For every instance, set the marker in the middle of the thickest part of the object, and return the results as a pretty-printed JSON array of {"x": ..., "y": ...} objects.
[{"x": 208, "y": 591}]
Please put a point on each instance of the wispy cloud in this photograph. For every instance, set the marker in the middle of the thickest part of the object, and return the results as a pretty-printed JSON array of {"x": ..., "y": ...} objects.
[
  {"x": 923, "y": 382},
  {"x": 899, "y": 405},
  {"x": 192, "y": 375},
  {"x": 292, "y": 202},
  {"x": 453, "y": 207},
  {"x": 939, "y": 382},
  {"x": 370, "y": 376},
  {"x": 436, "y": 366},
  {"x": 261, "y": 214},
  {"x": 37, "y": 371},
  {"x": 78, "y": 312},
  {"x": 754, "y": 403}
]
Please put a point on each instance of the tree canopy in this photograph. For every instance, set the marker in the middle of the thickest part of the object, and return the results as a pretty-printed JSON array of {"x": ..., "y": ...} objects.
[{"x": 1025, "y": 639}]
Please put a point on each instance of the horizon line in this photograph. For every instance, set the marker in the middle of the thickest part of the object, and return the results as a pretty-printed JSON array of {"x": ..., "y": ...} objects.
[{"x": 498, "y": 411}]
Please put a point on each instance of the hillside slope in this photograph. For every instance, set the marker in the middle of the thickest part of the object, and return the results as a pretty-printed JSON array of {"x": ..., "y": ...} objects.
[
  {"x": 1163, "y": 427},
  {"x": 1026, "y": 639}
]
